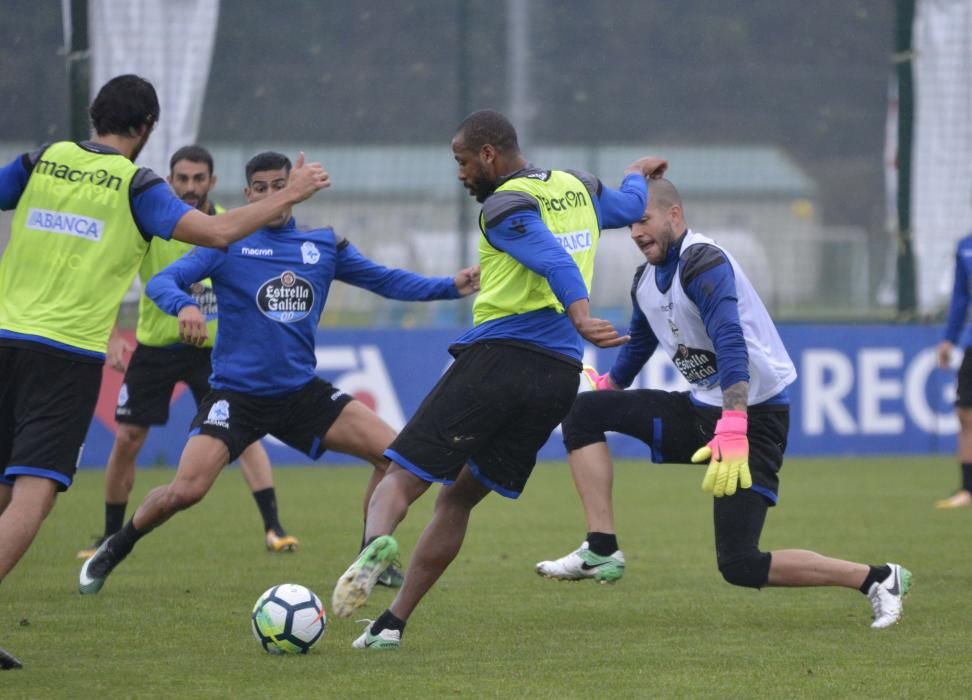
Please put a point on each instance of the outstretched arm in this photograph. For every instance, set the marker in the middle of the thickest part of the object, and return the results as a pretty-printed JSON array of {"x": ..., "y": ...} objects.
[{"x": 394, "y": 283}]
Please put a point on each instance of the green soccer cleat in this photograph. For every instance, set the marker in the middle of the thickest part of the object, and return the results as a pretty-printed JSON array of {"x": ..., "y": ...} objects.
[
  {"x": 392, "y": 577},
  {"x": 583, "y": 563},
  {"x": 355, "y": 585}
]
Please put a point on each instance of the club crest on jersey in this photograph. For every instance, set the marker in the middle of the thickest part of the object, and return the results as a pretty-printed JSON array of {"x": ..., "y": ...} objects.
[
  {"x": 219, "y": 414},
  {"x": 309, "y": 253},
  {"x": 287, "y": 298}
]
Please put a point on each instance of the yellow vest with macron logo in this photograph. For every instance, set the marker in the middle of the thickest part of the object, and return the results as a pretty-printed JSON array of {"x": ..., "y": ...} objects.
[
  {"x": 507, "y": 287},
  {"x": 74, "y": 248}
]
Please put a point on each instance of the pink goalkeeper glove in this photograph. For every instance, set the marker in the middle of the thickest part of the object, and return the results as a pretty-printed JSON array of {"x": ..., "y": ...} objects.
[
  {"x": 729, "y": 453},
  {"x": 598, "y": 382}
]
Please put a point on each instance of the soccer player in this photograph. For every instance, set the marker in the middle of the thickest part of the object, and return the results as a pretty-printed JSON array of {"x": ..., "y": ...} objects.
[
  {"x": 84, "y": 216},
  {"x": 515, "y": 373},
  {"x": 694, "y": 302},
  {"x": 160, "y": 360},
  {"x": 957, "y": 311},
  {"x": 271, "y": 288}
]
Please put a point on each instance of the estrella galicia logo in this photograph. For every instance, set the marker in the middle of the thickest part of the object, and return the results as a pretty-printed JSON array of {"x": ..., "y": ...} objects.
[
  {"x": 205, "y": 299},
  {"x": 698, "y": 366},
  {"x": 287, "y": 298},
  {"x": 309, "y": 253},
  {"x": 219, "y": 414}
]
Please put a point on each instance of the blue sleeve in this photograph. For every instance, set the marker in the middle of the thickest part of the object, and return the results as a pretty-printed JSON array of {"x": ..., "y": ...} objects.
[
  {"x": 624, "y": 206},
  {"x": 13, "y": 181},
  {"x": 167, "y": 287},
  {"x": 713, "y": 291},
  {"x": 960, "y": 297},
  {"x": 524, "y": 236},
  {"x": 393, "y": 283},
  {"x": 157, "y": 210},
  {"x": 636, "y": 352}
]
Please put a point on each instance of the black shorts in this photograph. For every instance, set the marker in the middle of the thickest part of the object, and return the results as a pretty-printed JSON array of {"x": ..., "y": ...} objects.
[
  {"x": 494, "y": 409},
  {"x": 151, "y": 377},
  {"x": 674, "y": 428},
  {"x": 963, "y": 389},
  {"x": 46, "y": 405},
  {"x": 299, "y": 419}
]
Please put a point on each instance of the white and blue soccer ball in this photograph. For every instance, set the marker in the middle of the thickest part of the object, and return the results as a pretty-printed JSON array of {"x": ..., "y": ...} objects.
[{"x": 288, "y": 619}]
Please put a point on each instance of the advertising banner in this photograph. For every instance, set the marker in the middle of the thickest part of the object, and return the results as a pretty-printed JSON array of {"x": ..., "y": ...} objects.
[{"x": 861, "y": 389}]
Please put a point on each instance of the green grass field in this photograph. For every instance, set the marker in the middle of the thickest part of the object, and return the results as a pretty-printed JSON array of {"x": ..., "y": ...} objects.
[{"x": 173, "y": 620}]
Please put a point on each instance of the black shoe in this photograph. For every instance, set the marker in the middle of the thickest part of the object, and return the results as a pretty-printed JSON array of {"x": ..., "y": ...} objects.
[
  {"x": 96, "y": 569},
  {"x": 8, "y": 661}
]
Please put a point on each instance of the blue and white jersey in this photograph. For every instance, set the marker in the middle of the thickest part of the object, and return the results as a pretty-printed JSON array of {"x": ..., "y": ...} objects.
[
  {"x": 699, "y": 307},
  {"x": 271, "y": 288}
]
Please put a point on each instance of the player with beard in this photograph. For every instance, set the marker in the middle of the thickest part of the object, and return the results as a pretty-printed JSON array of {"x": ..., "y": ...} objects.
[
  {"x": 694, "y": 302},
  {"x": 516, "y": 372},
  {"x": 84, "y": 216},
  {"x": 160, "y": 360}
]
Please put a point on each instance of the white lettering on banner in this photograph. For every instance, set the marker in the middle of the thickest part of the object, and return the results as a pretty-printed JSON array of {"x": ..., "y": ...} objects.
[
  {"x": 916, "y": 398},
  {"x": 829, "y": 378},
  {"x": 822, "y": 399},
  {"x": 368, "y": 379},
  {"x": 872, "y": 389}
]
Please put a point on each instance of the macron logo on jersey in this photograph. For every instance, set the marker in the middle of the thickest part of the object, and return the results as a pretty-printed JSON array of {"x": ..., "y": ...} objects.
[
  {"x": 258, "y": 252},
  {"x": 575, "y": 241},
  {"x": 84, "y": 227}
]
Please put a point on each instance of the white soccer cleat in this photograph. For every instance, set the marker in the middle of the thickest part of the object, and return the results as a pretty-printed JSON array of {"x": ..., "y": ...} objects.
[
  {"x": 583, "y": 563},
  {"x": 385, "y": 639},
  {"x": 886, "y": 596}
]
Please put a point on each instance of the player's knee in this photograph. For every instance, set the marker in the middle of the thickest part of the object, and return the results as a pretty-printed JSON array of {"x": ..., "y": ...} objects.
[
  {"x": 183, "y": 495},
  {"x": 750, "y": 570},
  {"x": 577, "y": 426}
]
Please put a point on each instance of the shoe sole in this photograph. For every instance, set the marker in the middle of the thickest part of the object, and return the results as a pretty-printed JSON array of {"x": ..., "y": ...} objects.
[
  {"x": 598, "y": 576},
  {"x": 355, "y": 585}
]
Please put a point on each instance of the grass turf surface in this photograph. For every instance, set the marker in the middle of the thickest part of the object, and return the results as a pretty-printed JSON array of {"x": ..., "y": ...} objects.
[{"x": 173, "y": 620}]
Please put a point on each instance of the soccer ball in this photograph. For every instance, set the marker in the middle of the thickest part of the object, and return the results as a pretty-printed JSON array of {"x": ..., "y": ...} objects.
[{"x": 288, "y": 619}]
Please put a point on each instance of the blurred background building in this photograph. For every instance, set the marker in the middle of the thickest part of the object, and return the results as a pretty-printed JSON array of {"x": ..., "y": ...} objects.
[{"x": 773, "y": 114}]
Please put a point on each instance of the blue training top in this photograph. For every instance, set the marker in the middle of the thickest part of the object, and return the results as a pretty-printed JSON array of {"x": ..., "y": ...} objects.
[{"x": 271, "y": 288}]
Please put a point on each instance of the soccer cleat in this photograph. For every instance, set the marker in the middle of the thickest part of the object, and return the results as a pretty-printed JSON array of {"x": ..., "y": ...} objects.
[
  {"x": 8, "y": 661},
  {"x": 88, "y": 552},
  {"x": 959, "y": 499},
  {"x": 886, "y": 596},
  {"x": 280, "y": 541},
  {"x": 385, "y": 639},
  {"x": 95, "y": 570},
  {"x": 392, "y": 577},
  {"x": 355, "y": 585},
  {"x": 583, "y": 563}
]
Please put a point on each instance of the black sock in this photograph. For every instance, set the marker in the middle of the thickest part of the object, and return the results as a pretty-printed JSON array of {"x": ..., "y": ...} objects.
[
  {"x": 124, "y": 540},
  {"x": 387, "y": 621},
  {"x": 114, "y": 517},
  {"x": 967, "y": 476},
  {"x": 266, "y": 500},
  {"x": 877, "y": 573},
  {"x": 602, "y": 543}
]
